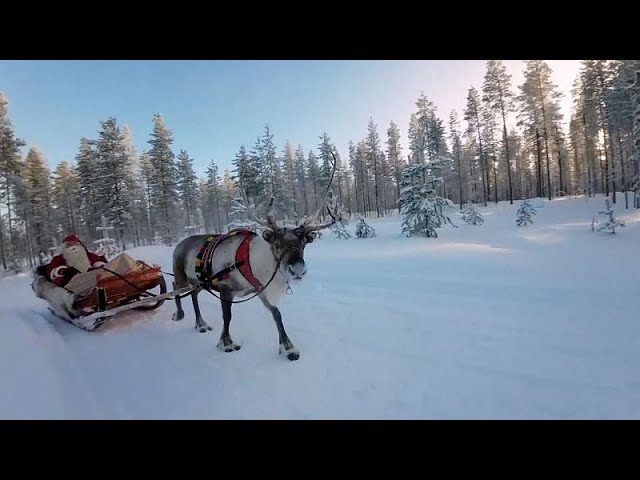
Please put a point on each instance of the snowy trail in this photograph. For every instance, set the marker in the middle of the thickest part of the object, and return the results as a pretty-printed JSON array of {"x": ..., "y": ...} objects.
[{"x": 483, "y": 322}]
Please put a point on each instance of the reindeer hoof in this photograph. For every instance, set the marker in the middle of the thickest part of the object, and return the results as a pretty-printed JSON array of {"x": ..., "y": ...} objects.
[
  {"x": 232, "y": 347},
  {"x": 292, "y": 353},
  {"x": 176, "y": 317},
  {"x": 204, "y": 328}
]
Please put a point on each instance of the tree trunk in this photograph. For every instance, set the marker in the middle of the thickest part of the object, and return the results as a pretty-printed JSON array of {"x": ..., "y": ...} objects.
[
  {"x": 622, "y": 169},
  {"x": 506, "y": 148},
  {"x": 576, "y": 164},
  {"x": 539, "y": 164},
  {"x": 587, "y": 156},
  {"x": 2, "y": 254},
  {"x": 555, "y": 125},
  {"x": 546, "y": 136},
  {"x": 459, "y": 174}
]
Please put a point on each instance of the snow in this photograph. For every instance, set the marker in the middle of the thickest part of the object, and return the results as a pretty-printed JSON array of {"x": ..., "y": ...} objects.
[{"x": 488, "y": 321}]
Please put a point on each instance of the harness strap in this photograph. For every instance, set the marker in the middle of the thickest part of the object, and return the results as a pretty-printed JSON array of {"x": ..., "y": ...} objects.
[
  {"x": 242, "y": 259},
  {"x": 203, "y": 261}
]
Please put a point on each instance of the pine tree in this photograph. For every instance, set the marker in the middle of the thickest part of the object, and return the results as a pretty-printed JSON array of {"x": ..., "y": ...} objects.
[
  {"x": 163, "y": 187},
  {"x": 290, "y": 184},
  {"x": 301, "y": 180},
  {"x": 363, "y": 229},
  {"x": 456, "y": 149},
  {"x": 10, "y": 148},
  {"x": 538, "y": 99},
  {"x": 186, "y": 185},
  {"x": 213, "y": 199},
  {"x": 247, "y": 173},
  {"x": 113, "y": 169},
  {"x": 524, "y": 214},
  {"x": 472, "y": 116},
  {"x": 38, "y": 190},
  {"x": 313, "y": 179},
  {"x": 394, "y": 155},
  {"x": 498, "y": 95},
  {"x": 471, "y": 216},
  {"x": 64, "y": 196},
  {"x": 373, "y": 163},
  {"x": 147, "y": 185}
]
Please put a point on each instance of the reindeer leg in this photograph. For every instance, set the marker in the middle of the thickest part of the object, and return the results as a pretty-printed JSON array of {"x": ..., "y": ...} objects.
[
  {"x": 286, "y": 345},
  {"x": 201, "y": 325},
  {"x": 179, "y": 313},
  {"x": 226, "y": 343}
]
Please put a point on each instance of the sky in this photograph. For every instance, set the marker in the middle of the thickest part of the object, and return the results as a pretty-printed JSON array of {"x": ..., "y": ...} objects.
[{"x": 214, "y": 107}]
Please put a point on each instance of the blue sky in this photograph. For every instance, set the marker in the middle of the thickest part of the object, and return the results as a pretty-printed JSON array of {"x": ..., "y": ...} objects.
[{"x": 213, "y": 107}]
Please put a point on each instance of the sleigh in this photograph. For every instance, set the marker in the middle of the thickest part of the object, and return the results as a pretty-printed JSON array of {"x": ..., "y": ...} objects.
[{"x": 114, "y": 294}]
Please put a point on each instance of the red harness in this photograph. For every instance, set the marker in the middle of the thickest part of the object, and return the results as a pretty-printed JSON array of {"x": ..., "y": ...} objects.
[
  {"x": 203, "y": 261},
  {"x": 242, "y": 263}
]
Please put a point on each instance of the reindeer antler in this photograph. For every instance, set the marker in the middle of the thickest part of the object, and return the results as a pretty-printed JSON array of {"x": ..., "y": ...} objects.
[
  {"x": 324, "y": 225},
  {"x": 308, "y": 222}
]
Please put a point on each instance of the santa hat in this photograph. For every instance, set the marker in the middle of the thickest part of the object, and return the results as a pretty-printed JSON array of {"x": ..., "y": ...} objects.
[{"x": 72, "y": 240}]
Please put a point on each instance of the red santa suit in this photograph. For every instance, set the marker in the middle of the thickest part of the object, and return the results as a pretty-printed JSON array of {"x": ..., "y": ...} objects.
[{"x": 74, "y": 258}]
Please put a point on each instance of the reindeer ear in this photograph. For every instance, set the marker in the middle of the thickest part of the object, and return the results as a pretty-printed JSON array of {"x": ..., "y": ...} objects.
[{"x": 269, "y": 235}]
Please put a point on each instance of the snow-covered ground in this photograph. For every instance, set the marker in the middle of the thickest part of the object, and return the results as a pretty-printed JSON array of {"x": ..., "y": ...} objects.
[{"x": 484, "y": 322}]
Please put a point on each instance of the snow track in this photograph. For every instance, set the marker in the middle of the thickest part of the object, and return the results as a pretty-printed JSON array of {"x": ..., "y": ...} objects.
[{"x": 490, "y": 321}]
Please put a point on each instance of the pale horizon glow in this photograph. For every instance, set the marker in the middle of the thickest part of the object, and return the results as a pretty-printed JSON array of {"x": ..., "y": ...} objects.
[{"x": 214, "y": 107}]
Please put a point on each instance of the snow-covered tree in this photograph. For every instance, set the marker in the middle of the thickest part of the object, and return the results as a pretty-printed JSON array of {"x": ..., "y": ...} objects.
[
  {"x": 212, "y": 199},
  {"x": 394, "y": 156},
  {"x": 38, "y": 190},
  {"x": 472, "y": 114},
  {"x": 363, "y": 229},
  {"x": 338, "y": 229},
  {"x": 610, "y": 223},
  {"x": 113, "y": 171},
  {"x": 186, "y": 185},
  {"x": 239, "y": 217},
  {"x": 499, "y": 98},
  {"x": 164, "y": 180},
  {"x": 301, "y": 180},
  {"x": 422, "y": 210},
  {"x": 524, "y": 214},
  {"x": 10, "y": 148},
  {"x": 470, "y": 215},
  {"x": 64, "y": 197}
]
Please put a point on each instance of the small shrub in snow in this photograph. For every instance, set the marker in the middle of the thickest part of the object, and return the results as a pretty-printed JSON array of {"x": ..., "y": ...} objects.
[
  {"x": 611, "y": 222},
  {"x": 363, "y": 229},
  {"x": 524, "y": 214},
  {"x": 470, "y": 215},
  {"x": 339, "y": 230}
]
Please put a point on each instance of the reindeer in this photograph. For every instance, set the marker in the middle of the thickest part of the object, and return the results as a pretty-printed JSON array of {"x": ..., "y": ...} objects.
[{"x": 270, "y": 261}]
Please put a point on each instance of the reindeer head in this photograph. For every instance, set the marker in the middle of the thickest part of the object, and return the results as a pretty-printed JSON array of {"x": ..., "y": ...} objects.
[{"x": 288, "y": 244}]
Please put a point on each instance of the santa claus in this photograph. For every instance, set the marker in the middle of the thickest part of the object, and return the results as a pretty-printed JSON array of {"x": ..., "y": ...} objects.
[{"x": 73, "y": 258}]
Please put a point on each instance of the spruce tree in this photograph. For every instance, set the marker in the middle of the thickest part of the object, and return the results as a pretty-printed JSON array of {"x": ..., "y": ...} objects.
[
  {"x": 363, "y": 229},
  {"x": 524, "y": 214}
]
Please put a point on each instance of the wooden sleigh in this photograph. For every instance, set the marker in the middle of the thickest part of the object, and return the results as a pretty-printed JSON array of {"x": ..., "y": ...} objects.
[{"x": 114, "y": 294}]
